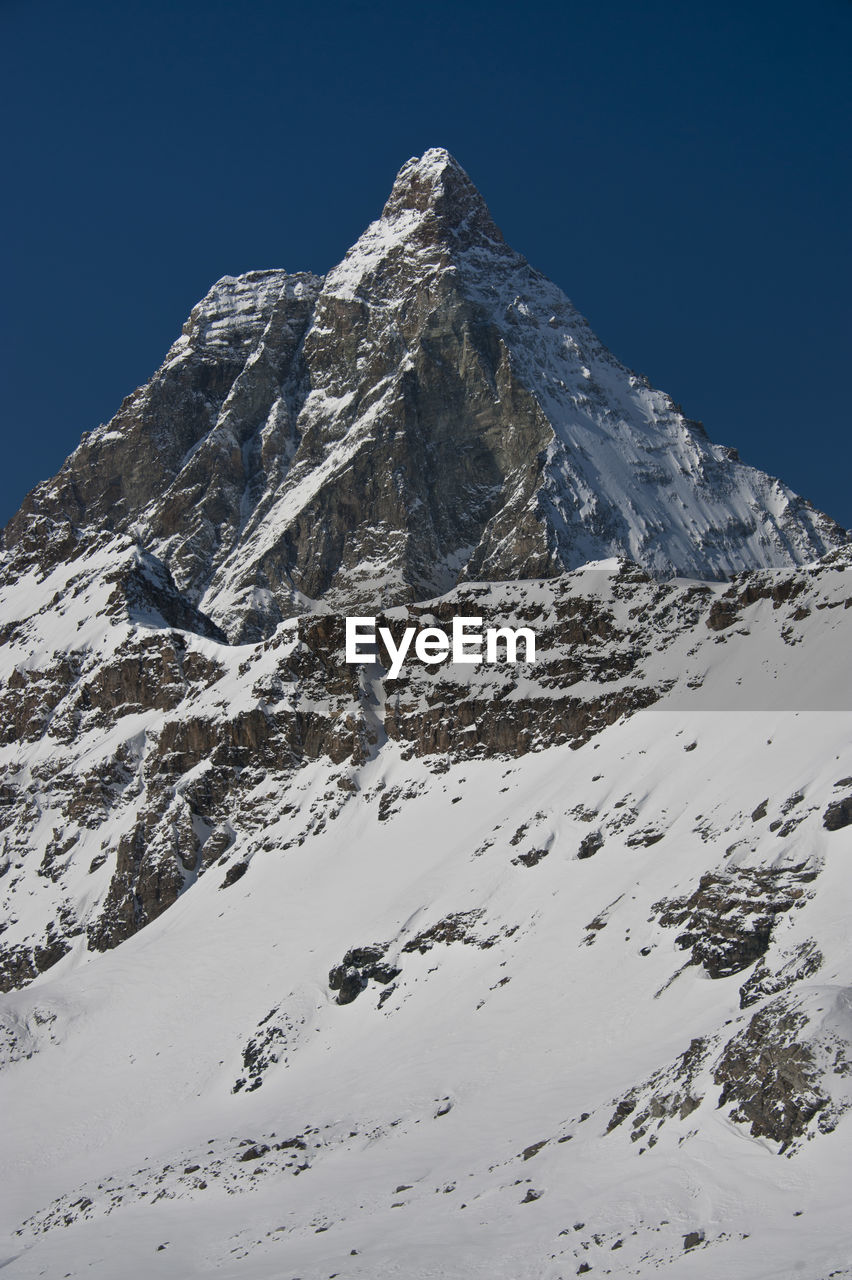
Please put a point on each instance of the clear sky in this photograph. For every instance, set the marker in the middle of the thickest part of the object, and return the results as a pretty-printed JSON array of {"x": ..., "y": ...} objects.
[{"x": 680, "y": 169}]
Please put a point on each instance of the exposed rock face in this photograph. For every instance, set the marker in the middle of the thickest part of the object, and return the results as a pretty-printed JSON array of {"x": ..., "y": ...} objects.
[
  {"x": 183, "y": 450},
  {"x": 727, "y": 922},
  {"x": 796, "y": 965},
  {"x": 674, "y": 1091},
  {"x": 770, "y": 1074},
  {"x": 838, "y": 814},
  {"x": 349, "y": 978},
  {"x": 781, "y": 1075},
  {"x": 432, "y": 410}
]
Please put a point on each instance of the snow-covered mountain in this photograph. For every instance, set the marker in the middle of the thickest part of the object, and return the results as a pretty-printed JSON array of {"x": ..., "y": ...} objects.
[
  {"x": 433, "y": 410},
  {"x": 511, "y": 971}
]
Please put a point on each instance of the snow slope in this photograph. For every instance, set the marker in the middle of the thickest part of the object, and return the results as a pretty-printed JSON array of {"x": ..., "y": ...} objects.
[
  {"x": 415, "y": 1116},
  {"x": 196, "y": 1100}
]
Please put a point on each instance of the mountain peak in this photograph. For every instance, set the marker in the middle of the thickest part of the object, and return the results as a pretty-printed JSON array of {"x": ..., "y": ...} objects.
[
  {"x": 435, "y": 183},
  {"x": 432, "y": 411}
]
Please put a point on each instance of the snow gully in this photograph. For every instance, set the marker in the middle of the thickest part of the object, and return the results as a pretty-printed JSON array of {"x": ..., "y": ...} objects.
[{"x": 432, "y": 645}]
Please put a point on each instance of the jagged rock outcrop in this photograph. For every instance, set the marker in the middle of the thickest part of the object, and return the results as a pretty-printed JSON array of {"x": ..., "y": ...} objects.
[
  {"x": 777, "y": 1075},
  {"x": 770, "y": 1076},
  {"x": 727, "y": 922}
]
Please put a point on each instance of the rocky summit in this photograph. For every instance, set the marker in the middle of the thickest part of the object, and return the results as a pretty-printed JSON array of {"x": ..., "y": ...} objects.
[
  {"x": 432, "y": 411},
  {"x": 516, "y": 970}
]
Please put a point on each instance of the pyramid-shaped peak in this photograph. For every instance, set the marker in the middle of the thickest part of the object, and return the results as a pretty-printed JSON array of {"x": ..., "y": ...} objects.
[
  {"x": 436, "y": 183},
  {"x": 430, "y": 169}
]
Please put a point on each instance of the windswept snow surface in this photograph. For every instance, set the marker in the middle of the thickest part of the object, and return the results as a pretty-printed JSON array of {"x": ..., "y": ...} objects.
[{"x": 416, "y": 1121}]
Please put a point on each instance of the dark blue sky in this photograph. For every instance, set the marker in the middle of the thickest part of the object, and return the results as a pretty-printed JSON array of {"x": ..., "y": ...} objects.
[{"x": 680, "y": 169}]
